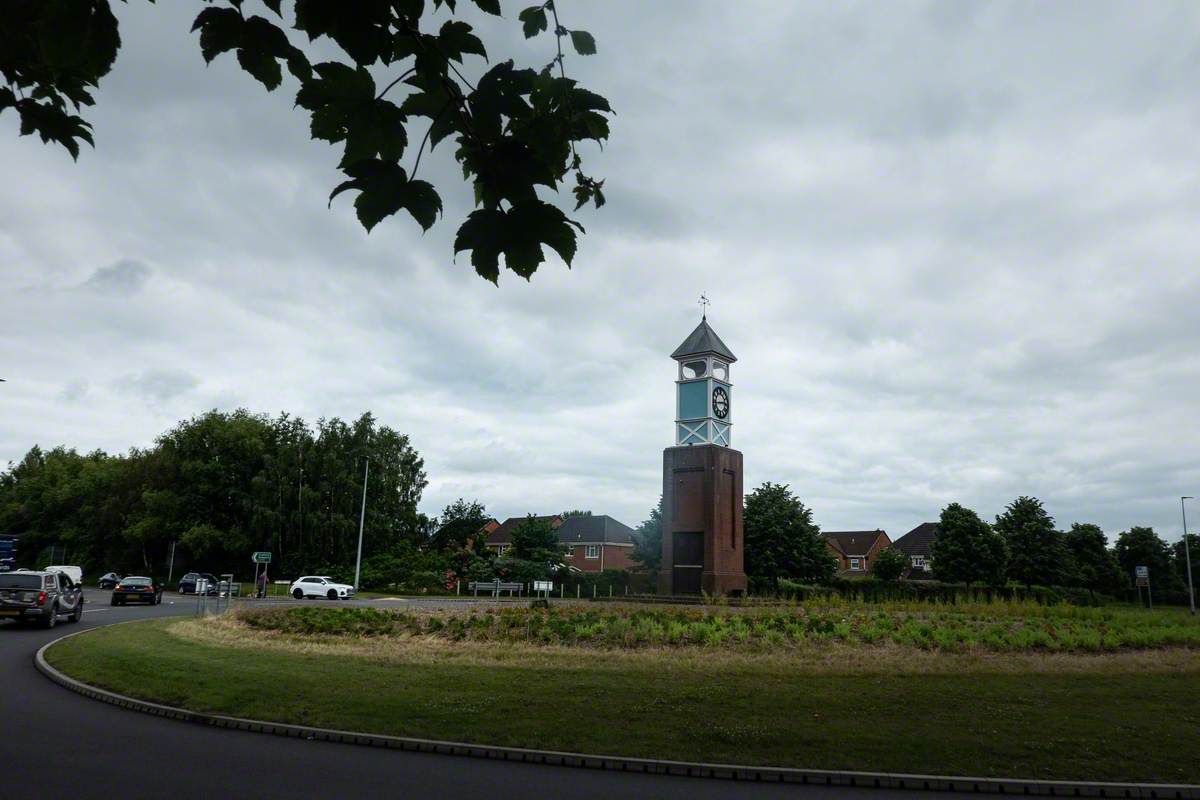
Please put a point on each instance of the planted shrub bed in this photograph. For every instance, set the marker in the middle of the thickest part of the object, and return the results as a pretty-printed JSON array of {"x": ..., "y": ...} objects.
[{"x": 991, "y": 627}]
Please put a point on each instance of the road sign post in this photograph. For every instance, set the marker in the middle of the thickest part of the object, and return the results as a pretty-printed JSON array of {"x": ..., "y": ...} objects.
[
  {"x": 1141, "y": 576},
  {"x": 260, "y": 558}
]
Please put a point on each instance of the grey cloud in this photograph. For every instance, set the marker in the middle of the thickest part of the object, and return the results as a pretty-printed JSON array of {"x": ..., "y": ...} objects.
[
  {"x": 160, "y": 384},
  {"x": 74, "y": 391},
  {"x": 121, "y": 277},
  {"x": 952, "y": 244}
]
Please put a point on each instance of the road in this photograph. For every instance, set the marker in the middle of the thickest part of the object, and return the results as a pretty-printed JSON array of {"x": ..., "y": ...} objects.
[{"x": 55, "y": 742}]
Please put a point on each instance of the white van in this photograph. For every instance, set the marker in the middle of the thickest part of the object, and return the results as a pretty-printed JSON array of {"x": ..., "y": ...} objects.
[{"x": 74, "y": 573}]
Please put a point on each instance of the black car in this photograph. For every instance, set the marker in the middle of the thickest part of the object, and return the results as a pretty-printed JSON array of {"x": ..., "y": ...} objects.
[
  {"x": 187, "y": 584},
  {"x": 40, "y": 596},
  {"x": 109, "y": 580},
  {"x": 137, "y": 589}
]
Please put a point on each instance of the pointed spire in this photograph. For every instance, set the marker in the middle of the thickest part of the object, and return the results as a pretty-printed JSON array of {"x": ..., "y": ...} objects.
[{"x": 702, "y": 341}]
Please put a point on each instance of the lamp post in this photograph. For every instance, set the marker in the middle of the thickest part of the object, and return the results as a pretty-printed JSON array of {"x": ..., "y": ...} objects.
[
  {"x": 1187, "y": 554},
  {"x": 362, "y": 516}
]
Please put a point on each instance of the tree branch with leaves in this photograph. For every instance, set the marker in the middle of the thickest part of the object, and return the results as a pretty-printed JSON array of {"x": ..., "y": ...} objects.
[{"x": 516, "y": 131}]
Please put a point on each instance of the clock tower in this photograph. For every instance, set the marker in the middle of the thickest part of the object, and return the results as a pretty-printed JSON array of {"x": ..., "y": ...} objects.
[{"x": 702, "y": 475}]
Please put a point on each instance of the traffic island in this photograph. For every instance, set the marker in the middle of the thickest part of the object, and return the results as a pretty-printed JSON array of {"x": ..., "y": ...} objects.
[{"x": 852, "y": 712}]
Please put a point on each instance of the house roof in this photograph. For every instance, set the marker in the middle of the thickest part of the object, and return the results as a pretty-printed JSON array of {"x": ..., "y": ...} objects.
[
  {"x": 703, "y": 340},
  {"x": 503, "y": 534},
  {"x": 918, "y": 541},
  {"x": 597, "y": 528},
  {"x": 853, "y": 543},
  {"x": 591, "y": 529}
]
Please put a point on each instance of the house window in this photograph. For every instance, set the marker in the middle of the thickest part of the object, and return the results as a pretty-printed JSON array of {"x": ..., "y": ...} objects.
[
  {"x": 918, "y": 562},
  {"x": 500, "y": 549},
  {"x": 593, "y": 551},
  {"x": 856, "y": 564}
]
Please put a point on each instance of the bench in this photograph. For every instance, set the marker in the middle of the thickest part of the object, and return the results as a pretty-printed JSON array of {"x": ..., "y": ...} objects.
[{"x": 496, "y": 587}]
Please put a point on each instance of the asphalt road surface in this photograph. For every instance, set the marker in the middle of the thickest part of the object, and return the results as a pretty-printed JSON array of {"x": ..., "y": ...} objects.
[{"x": 54, "y": 743}]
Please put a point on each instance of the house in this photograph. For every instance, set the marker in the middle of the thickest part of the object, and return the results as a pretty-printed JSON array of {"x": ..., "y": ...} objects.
[
  {"x": 855, "y": 550},
  {"x": 500, "y": 538},
  {"x": 593, "y": 543},
  {"x": 597, "y": 542},
  {"x": 917, "y": 544}
]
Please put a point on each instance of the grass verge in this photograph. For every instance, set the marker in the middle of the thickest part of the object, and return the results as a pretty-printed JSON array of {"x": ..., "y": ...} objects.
[{"x": 1125, "y": 716}]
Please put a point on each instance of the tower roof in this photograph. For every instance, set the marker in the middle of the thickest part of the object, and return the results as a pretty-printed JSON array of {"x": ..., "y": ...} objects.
[{"x": 703, "y": 340}]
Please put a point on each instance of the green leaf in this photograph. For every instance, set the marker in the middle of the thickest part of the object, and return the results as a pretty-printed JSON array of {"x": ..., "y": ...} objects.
[
  {"x": 262, "y": 66},
  {"x": 274, "y": 6},
  {"x": 533, "y": 21},
  {"x": 489, "y": 6},
  {"x": 544, "y": 223},
  {"x": 361, "y": 27},
  {"x": 584, "y": 43},
  {"x": 583, "y": 100},
  {"x": 412, "y": 10},
  {"x": 455, "y": 40},
  {"x": 53, "y": 124},
  {"x": 220, "y": 31},
  {"x": 375, "y": 128},
  {"x": 345, "y": 108},
  {"x": 483, "y": 234},
  {"x": 384, "y": 189}
]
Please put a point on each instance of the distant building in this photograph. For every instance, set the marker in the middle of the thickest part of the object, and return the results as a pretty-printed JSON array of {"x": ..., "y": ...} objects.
[
  {"x": 917, "y": 544},
  {"x": 500, "y": 538},
  {"x": 855, "y": 550},
  {"x": 593, "y": 543}
]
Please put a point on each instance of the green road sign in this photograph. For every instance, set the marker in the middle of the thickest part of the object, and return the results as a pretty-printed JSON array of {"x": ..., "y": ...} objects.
[{"x": 261, "y": 558}]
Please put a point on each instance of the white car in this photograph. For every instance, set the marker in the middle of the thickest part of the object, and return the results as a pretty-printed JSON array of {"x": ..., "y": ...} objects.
[
  {"x": 320, "y": 586},
  {"x": 74, "y": 573}
]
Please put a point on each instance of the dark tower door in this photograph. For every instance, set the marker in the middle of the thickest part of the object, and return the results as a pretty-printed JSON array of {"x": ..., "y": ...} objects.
[{"x": 688, "y": 553}]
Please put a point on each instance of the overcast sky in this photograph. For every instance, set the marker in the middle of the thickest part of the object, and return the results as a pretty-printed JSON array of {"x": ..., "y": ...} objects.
[{"x": 952, "y": 244}]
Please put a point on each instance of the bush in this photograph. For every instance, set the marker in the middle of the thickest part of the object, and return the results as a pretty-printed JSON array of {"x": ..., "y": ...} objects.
[{"x": 997, "y": 627}]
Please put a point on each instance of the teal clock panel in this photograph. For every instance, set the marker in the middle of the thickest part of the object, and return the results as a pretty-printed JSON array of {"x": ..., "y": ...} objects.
[{"x": 693, "y": 400}]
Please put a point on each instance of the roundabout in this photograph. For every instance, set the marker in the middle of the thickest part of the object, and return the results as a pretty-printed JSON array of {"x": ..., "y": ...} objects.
[
  {"x": 224, "y": 744},
  {"x": 101, "y": 746}
]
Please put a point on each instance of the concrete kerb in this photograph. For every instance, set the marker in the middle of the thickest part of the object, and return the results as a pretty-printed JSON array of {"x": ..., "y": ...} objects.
[{"x": 816, "y": 777}]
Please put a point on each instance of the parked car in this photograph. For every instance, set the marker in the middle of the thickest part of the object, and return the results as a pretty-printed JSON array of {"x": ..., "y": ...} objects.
[
  {"x": 76, "y": 573},
  {"x": 109, "y": 579},
  {"x": 43, "y": 597},
  {"x": 187, "y": 584},
  {"x": 320, "y": 586},
  {"x": 137, "y": 589}
]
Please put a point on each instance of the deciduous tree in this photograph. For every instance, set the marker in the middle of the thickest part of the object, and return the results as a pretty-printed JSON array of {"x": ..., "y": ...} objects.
[
  {"x": 1142, "y": 547},
  {"x": 513, "y": 129},
  {"x": 782, "y": 541},
  {"x": 1095, "y": 567},
  {"x": 889, "y": 565},
  {"x": 1036, "y": 552},
  {"x": 647, "y": 540},
  {"x": 967, "y": 550}
]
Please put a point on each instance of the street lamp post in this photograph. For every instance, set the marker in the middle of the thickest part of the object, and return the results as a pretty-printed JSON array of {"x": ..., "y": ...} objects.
[
  {"x": 362, "y": 516},
  {"x": 1187, "y": 554}
]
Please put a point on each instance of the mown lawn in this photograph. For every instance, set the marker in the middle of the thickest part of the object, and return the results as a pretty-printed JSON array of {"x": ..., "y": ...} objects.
[{"x": 1103, "y": 717}]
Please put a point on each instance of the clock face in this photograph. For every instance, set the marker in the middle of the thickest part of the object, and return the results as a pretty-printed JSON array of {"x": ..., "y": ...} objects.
[{"x": 720, "y": 402}]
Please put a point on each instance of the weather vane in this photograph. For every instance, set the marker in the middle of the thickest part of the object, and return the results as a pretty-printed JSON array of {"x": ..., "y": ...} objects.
[{"x": 704, "y": 304}]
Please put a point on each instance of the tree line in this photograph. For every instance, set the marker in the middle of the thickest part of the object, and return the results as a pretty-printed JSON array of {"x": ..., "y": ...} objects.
[
  {"x": 215, "y": 488},
  {"x": 220, "y": 486},
  {"x": 1022, "y": 547}
]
